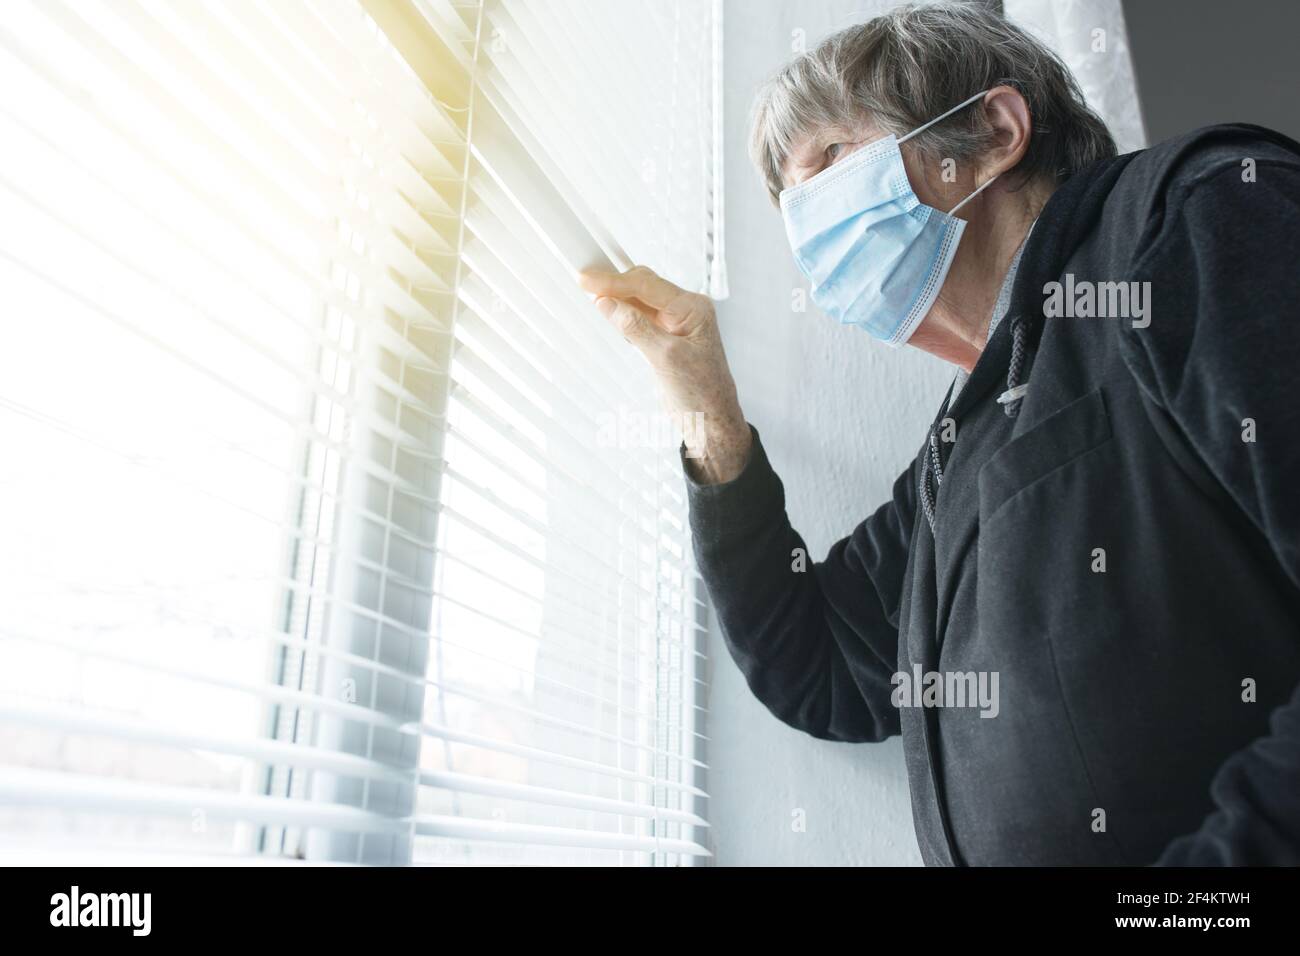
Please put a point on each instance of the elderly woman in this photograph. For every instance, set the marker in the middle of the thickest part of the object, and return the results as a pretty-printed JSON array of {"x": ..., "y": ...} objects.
[{"x": 1102, "y": 526}]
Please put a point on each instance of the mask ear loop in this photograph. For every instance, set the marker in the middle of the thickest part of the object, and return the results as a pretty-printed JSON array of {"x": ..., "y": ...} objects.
[
  {"x": 943, "y": 116},
  {"x": 972, "y": 195}
]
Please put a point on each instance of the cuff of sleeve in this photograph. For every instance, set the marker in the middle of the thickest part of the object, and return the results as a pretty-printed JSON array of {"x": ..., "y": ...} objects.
[{"x": 735, "y": 506}]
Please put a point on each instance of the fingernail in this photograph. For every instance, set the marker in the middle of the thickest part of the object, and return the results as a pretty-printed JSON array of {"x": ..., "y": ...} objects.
[{"x": 606, "y": 306}]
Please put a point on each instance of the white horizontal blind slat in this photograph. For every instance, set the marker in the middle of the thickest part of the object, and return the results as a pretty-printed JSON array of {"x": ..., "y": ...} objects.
[
  {"x": 69, "y": 791},
  {"x": 468, "y": 783},
  {"x": 461, "y": 828}
]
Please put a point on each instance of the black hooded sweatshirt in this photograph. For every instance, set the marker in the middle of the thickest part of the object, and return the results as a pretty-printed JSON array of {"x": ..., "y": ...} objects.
[{"x": 1123, "y": 549}]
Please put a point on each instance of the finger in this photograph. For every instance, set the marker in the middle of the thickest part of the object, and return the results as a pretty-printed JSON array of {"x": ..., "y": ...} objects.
[
  {"x": 632, "y": 322},
  {"x": 637, "y": 283}
]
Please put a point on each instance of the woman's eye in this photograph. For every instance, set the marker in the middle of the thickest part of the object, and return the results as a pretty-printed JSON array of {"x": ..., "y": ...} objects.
[{"x": 834, "y": 152}]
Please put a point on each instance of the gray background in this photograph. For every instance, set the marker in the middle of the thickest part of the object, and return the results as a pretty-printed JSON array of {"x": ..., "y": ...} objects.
[{"x": 1215, "y": 61}]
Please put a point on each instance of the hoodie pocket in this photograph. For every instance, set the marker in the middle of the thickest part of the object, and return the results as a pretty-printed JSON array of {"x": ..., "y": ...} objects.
[{"x": 1069, "y": 432}]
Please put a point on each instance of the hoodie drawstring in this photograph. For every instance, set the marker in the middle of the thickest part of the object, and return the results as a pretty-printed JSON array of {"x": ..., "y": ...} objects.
[
  {"x": 931, "y": 467},
  {"x": 1010, "y": 400}
]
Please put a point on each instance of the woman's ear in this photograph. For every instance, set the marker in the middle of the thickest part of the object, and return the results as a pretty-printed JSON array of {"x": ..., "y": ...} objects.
[{"x": 1012, "y": 126}]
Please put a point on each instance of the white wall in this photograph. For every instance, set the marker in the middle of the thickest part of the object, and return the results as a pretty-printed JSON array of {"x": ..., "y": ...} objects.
[{"x": 841, "y": 415}]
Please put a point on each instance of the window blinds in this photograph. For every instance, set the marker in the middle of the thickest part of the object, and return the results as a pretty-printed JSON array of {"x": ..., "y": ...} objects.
[
  {"x": 562, "y": 543},
  {"x": 338, "y": 526}
]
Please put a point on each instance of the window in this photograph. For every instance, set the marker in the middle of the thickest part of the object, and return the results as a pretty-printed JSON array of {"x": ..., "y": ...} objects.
[{"x": 338, "y": 526}]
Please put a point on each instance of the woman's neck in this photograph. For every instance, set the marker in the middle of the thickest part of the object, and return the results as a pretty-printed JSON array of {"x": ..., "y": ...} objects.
[{"x": 957, "y": 326}]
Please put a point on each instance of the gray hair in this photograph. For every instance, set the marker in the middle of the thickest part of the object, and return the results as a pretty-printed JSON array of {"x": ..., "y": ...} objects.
[{"x": 904, "y": 68}]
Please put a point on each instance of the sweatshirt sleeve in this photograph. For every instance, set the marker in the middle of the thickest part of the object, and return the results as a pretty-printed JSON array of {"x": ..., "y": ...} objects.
[
  {"x": 1221, "y": 356},
  {"x": 817, "y": 642}
]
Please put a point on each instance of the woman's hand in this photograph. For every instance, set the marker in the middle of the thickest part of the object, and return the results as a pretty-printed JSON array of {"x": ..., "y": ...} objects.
[{"x": 677, "y": 332}]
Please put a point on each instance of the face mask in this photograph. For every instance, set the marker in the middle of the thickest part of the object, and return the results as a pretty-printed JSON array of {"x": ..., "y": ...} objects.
[{"x": 876, "y": 257}]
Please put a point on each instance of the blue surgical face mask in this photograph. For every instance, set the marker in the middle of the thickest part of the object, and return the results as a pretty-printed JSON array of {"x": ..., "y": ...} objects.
[{"x": 876, "y": 257}]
